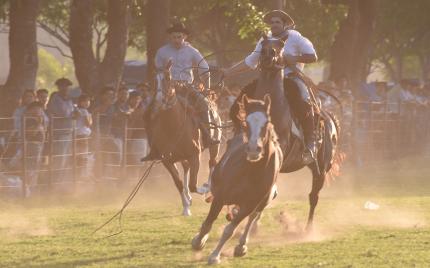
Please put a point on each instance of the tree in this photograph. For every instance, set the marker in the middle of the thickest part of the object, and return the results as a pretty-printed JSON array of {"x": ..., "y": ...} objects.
[
  {"x": 22, "y": 52},
  {"x": 351, "y": 48},
  {"x": 91, "y": 71},
  {"x": 402, "y": 33},
  {"x": 157, "y": 22}
]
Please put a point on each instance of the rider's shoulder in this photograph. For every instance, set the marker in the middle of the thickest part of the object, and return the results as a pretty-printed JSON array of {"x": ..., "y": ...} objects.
[
  {"x": 294, "y": 34},
  {"x": 164, "y": 48}
]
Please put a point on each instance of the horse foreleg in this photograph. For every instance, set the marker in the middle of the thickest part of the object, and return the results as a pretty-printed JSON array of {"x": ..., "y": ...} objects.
[
  {"x": 213, "y": 155},
  {"x": 173, "y": 170},
  {"x": 199, "y": 240},
  {"x": 317, "y": 184},
  {"x": 194, "y": 170},
  {"x": 215, "y": 256},
  {"x": 241, "y": 249},
  {"x": 186, "y": 190}
]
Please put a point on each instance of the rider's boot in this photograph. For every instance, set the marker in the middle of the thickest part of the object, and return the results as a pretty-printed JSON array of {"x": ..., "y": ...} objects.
[
  {"x": 309, "y": 154},
  {"x": 152, "y": 156},
  {"x": 208, "y": 141}
]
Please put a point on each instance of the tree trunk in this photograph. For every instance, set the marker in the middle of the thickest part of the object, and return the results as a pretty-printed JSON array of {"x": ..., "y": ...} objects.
[
  {"x": 351, "y": 49},
  {"x": 22, "y": 52},
  {"x": 92, "y": 74},
  {"x": 118, "y": 19},
  {"x": 157, "y": 23},
  {"x": 81, "y": 45}
]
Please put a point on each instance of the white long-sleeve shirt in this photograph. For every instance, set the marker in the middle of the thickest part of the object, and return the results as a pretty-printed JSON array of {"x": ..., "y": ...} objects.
[
  {"x": 183, "y": 59},
  {"x": 296, "y": 45}
]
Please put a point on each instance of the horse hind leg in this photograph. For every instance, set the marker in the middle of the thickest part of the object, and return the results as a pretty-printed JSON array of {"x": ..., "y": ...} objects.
[
  {"x": 213, "y": 155},
  {"x": 200, "y": 239},
  {"x": 186, "y": 189},
  {"x": 317, "y": 184},
  {"x": 173, "y": 170}
]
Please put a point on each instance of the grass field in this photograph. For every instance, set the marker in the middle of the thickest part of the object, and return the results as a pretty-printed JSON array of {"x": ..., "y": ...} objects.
[{"x": 56, "y": 231}]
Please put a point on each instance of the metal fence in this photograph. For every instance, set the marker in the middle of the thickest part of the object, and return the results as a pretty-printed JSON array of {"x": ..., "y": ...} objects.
[
  {"x": 378, "y": 131},
  {"x": 37, "y": 158}
]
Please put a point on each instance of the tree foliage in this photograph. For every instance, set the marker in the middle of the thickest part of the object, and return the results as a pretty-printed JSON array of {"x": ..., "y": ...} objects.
[{"x": 402, "y": 31}]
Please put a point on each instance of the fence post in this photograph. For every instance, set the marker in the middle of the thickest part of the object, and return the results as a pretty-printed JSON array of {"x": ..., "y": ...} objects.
[
  {"x": 74, "y": 172},
  {"x": 24, "y": 154},
  {"x": 51, "y": 150},
  {"x": 124, "y": 150}
]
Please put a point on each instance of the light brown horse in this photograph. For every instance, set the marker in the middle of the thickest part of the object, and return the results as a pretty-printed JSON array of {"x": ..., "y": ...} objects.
[
  {"x": 175, "y": 134},
  {"x": 245, "y": 176}
]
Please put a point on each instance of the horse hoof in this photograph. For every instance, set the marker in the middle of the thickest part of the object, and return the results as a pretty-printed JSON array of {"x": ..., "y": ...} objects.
[
  {"x": 209, "y": 198},
  {"x": 240, "y": 251},
  {"x": 214, "y": 260},
  {"x": 202, "y": 190},
  {"x": 199, "y": 244},
  {"x": 309, "y": 229},
  {"x": 186, "y": 212}
]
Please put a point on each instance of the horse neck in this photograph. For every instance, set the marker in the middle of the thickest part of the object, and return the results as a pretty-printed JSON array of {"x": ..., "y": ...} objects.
[
  {"x": 272, "y": 82},
  {"x": 173, "y": 117}
]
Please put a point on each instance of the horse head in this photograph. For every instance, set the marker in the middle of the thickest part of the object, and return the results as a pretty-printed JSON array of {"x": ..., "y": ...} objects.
[
  {"x": 271, "y": 53},
  {"x": 166, "y": 94},
  {"x": 254, "y": 116}
]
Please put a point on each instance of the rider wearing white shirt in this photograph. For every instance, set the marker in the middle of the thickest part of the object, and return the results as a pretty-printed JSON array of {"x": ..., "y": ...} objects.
[{"x": 298, "y": 50}]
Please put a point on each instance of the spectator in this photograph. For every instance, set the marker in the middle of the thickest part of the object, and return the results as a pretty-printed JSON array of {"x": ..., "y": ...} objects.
[
  {"x": 27, "y": 97},
  {"x": 105, "y": 110},
  {"x": 144, "y": 89},
  {"x": 35, "y": 129},
  {"x": 43, "y": 97},
  {"x": 84, "y": 123},
  {"x": 137, "y": 144},
  {"x": 84, "y": 119},
  {"x": 60, "y": 108},
  {"x": 121, "y": 102}
]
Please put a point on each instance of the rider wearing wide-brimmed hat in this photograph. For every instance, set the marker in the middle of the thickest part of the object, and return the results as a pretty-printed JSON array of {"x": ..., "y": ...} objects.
[
  {"x": 185, "y": 58},
  {"x": 297, "y": 51}
]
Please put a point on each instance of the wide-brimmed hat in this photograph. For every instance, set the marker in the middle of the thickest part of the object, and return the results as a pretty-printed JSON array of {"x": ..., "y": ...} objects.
[
  {"x": 280, "y": 14},
  {"x": 63, "y": 82},
  {"x": 178, "y": 27}
]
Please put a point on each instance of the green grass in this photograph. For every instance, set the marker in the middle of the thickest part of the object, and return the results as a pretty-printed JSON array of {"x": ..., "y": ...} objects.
[{"x": 56, "y": 232}]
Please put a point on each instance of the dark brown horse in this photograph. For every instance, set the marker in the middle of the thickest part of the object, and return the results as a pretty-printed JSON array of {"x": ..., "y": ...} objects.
[
  {"x": 175, "y": 134},
  {"x": 245, "y": 176},
  {"x": 271, "y": 81}
]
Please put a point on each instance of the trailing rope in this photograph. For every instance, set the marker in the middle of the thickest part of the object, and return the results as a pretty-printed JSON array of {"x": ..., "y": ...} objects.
[{"x": 127, "y": 202}]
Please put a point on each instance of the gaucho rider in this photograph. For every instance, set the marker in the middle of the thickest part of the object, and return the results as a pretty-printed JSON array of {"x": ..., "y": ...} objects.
[
  {"x": 298, "y": 50},
  {"x": 184, "y": 59}
]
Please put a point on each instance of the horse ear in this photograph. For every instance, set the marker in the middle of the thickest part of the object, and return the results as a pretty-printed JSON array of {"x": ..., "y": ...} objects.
[
  {"x": 169, "y": 64},
  {"x": 241, "y": 115},
  {"x": 245, "y": 99},
  {"x": 267, "y": 102}
]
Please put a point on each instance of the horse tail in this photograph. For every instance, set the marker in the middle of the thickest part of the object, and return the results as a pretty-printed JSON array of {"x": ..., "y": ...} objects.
[{"x": 338, "y": 157}]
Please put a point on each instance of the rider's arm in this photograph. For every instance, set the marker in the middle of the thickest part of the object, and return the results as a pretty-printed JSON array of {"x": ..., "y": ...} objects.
[
  {"x": 203, "y": 68},
  {"x": 237, "y": 68},
  {"x": 306, "y": 51},
  {"x": 250, "y": 62},
  {"x": 305, "y": 58}
]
